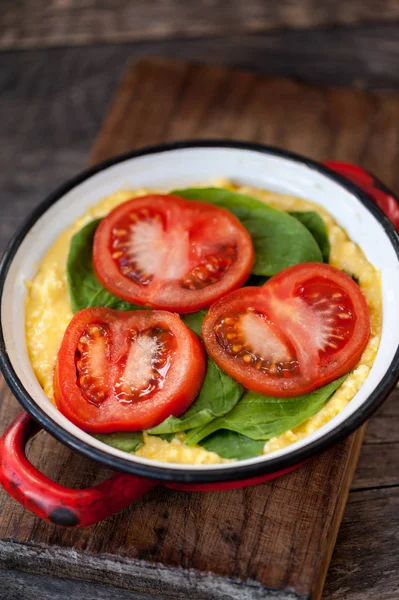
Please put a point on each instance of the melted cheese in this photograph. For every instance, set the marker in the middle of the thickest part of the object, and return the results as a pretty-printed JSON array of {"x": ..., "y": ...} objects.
[{"x": 48, "y": 312}]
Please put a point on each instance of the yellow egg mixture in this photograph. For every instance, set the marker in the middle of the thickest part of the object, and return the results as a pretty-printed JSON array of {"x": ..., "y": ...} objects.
[{"x": 48, "y": 312}]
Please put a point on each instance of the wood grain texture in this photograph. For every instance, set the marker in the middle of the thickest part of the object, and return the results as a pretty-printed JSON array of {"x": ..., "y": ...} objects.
[
  {"x": 16, "y": 585},
  {"x": 354, "y": 573},
  {"x": 53, "y": 100},
  {"x": 260, "y": 536},
  {"x": 323, "y": 123},
  {"x": 26, "y": 24},
  {"x": 277, "y": 535}
]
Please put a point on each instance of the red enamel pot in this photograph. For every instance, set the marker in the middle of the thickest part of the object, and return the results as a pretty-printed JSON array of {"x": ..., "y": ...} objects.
[{"x": 364, "y": 207}]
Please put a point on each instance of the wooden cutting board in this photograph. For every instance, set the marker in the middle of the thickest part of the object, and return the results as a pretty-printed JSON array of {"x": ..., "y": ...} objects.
[{"x": 270, "y": 541}]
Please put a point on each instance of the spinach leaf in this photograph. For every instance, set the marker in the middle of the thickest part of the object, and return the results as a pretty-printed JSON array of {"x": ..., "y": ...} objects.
[
  {"x": 168, "y": 437},
  {"x": 194, "y": 320},
  {"x": 279, "y": 239},
  {"x": 264, "y": 417},
  {"x": 229, "y": 444},
  {"x": 218, "y": 395},
  {"x": 85, "y": 290},
  {"x": 315, "y": 224},
  {"x": 128, "y": 441}
]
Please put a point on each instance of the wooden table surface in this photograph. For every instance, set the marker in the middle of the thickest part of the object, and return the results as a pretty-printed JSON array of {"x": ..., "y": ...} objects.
[{"x": 52, "y": 102}]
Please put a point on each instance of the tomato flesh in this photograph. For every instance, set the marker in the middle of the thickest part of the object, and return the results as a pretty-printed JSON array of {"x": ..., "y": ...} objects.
[
  {"x": 166, "y": 252},
  {"x": 303, "y": 328},
  {"x": 126, "y": 371}
]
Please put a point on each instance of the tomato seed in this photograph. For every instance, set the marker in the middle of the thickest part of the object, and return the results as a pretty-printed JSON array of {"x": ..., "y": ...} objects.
[
  {"x": 210, "y": 270},
  {"x": 119, "y": 232},
  {"x": 236, "y": 348},
  {"x": 84, "y": 380}
]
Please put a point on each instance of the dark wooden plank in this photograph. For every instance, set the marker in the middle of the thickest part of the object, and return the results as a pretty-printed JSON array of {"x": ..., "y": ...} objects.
[
  {"x": 52, "y": 106},
  {"x": 25, "y": 24},
  {"x": 365, "y": 561},
  {"x": 378, "y": 466},
  {"x": 15, "y": 585},
  {"x": 379, "y": 456},
  {"x": 384, "y": 425},
  {"x": 280, "y": 534},
  {"x": 53, "y": 101}
]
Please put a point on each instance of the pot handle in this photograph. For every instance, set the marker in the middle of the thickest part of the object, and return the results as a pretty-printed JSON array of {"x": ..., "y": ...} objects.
[
  {"x": 49, "y": 500},
  {"x": 381, "y": 195}
]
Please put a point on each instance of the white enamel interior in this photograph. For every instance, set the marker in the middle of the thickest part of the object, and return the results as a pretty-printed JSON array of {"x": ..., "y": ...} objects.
[{"x": 182, "y": 168}]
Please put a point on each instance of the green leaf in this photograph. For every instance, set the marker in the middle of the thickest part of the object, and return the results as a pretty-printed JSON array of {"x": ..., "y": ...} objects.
[
  {"x": 168, "y": 437},
  {"x": 229, "y": 444},
  {"x": 85, "y": 290},
  {"x": 194, "y": 320},
  {"x": 264, "y": 417},
  {"x": 218, "y": 395},
  {"x": 315, "y": 224},
  {"x": 128, "y": 441},
  {"x": 279, "y": 239}
]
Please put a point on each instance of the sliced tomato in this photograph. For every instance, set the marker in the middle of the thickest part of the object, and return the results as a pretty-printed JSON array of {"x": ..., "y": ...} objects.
[
  {"x": 126, "y": 371},
  {"x": 303, "y": 328},
  {"x": 166, "y": 252}
]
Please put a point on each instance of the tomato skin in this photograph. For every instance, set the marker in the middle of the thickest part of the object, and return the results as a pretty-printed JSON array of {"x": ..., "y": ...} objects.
[
  {"x": 183, "y": 380},
  {"x": 189, "y": 228},
  {"x": 293, "y": 308}
]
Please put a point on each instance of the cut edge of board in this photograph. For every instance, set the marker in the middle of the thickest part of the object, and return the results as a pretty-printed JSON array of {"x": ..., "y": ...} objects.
[{"x": 133, "y": 574}]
